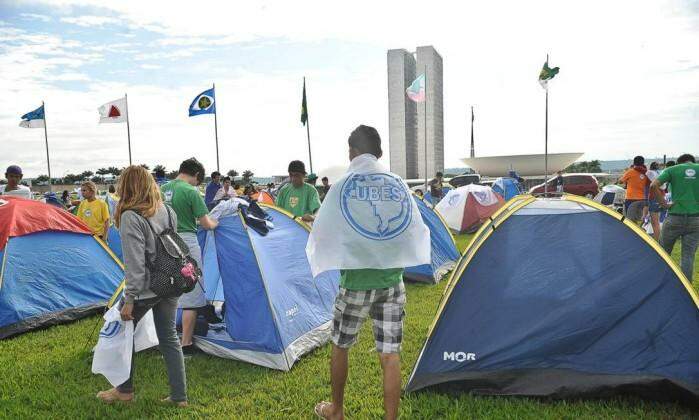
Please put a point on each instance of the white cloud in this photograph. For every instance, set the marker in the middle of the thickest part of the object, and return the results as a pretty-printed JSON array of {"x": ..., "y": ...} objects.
[
  {"x": 35, "y": 16},
  {"x": 88, "y": 21},
  {"x": 151, "y": 66}
]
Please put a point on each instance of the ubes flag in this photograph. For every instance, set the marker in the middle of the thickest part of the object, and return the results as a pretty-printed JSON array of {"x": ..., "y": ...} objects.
[
  {"x": 416, "y": 91},
  {"x": 547, "y": 74},
  {"x": 33, "y": 119},
  {"x": 368, "y": 220},
  {"x": 204, "y": 103},
  {"x": 113, "y": 112}
]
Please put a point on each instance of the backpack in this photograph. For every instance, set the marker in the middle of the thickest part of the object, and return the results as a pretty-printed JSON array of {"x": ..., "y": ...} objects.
[{"x": 174, "y": 271}]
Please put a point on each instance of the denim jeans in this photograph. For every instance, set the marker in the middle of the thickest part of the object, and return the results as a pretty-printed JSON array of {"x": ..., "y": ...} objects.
[
  {"x": 687, "y": 229},
  {"x": 164, "y": 313}
]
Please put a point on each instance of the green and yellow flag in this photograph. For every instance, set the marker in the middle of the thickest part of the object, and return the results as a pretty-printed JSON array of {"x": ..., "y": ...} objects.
[
  {"x": 547, "y": 74},
  {"x": 304, "y": 109}
]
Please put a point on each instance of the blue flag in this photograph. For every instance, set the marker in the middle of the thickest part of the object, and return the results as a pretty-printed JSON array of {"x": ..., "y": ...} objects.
[
  {"x": 204, "y": 103},
  {"x": 33, "y": 119}
]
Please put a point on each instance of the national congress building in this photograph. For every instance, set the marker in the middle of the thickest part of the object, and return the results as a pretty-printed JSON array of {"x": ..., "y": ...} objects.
[{"x": 406, "y": 119}]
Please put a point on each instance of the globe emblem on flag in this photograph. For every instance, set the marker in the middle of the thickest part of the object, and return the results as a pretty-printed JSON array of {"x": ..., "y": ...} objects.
[
  {"x": 377, "y": 206},
  {"x": 203, "y": 103},
  {"x": 454, "y": 199}
]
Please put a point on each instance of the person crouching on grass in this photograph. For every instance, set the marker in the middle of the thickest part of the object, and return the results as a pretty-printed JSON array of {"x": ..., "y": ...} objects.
[
  {"x": 93, "y": 211},
  {"x": 141, "y": 200},
  {"x": 369, "y": 227}
]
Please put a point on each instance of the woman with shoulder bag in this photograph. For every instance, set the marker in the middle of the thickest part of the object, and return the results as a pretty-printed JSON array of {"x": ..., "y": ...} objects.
[{"x": 140, "y": 216}]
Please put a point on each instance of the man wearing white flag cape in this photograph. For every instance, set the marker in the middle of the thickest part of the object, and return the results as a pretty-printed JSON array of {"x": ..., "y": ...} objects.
[{"x": 370, "y": 228}]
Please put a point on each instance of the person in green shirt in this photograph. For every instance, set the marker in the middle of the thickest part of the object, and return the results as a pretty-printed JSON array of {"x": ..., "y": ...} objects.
[
  {"x": 298, "y": 197},
  {"x": 183, "y": 196},
  {"x": 364, "y": 293},
  {"x": 682, "y": 221}
]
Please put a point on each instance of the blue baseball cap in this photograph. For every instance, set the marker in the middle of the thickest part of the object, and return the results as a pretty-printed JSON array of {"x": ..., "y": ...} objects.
[{"x": 13, "y": 170}]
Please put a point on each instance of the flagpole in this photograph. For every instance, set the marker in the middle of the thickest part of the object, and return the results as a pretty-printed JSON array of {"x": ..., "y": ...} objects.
[
  {"x": 46, "y": 139},
  {"x": 128, "y": 128},
  {"x": 425, "y": 120},
  {"x": 473, "y": 151},
  {"x": 546, "y": 140},
  {"x": 308, "y": 129},
  {"x": 218, "y": 168}
]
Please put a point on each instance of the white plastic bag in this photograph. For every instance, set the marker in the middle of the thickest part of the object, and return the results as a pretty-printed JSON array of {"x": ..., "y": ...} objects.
[
  {"x": 145, "y": 336},
  {"x": 117, "y": 338},
  {"x": 114, "y": 348}
]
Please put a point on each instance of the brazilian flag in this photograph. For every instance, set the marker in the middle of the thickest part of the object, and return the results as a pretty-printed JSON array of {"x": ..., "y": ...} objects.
[
  {"x": 547, "y": 73},
  {"x": 304, "y": 109}
]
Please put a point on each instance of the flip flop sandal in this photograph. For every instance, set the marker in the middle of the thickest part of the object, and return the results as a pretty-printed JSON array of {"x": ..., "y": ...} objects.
[
  {"x": 111, "y": 396},
  {"x": 319, "y": 409}
]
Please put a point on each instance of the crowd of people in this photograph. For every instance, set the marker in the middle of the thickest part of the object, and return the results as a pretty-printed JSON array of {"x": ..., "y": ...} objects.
[{"x": 144, "y": 205}]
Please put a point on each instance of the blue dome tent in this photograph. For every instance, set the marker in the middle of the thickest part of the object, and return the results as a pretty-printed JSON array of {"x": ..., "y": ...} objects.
[
  {"x": 506, "y": 188},
  {"x": 564, "y": 298},
  {"x": 444, "y": 251},
  {"x": 274, "y": 311},
  {"x": 428, "y": 195},
  {"x": 52, "y": 269}
]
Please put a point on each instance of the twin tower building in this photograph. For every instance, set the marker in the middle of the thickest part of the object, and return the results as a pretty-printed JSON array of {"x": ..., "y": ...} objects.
[{"x": 408, "y": 129}]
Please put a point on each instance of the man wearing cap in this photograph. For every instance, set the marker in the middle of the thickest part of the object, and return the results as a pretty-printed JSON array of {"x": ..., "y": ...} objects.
[
  {"x": 297, "y": 197},
  {"x": 13, "y": 174}
]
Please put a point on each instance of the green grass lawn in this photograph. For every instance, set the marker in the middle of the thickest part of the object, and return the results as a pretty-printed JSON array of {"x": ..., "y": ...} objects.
[{"x": 46, "y": 374}]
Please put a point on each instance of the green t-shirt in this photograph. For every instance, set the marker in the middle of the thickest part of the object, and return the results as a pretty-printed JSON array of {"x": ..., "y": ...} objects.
[
  {"x": 370, "y": 278},
  {"x": 298, "y": 201},
  {"x": 684, "y": 182},
  {"x": 187, "y": 203}
]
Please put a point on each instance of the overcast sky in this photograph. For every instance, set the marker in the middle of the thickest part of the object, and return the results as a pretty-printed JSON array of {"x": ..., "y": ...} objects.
[{"x": 629, "y": 79}]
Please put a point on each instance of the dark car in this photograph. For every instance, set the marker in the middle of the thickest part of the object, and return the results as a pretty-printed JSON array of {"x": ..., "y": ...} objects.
[
  {"x": 464, "y": 179},
  {"x": 579, "y": 184}
]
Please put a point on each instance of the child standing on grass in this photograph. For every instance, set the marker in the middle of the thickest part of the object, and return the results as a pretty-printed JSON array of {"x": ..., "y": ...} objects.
[
  {"x": 141, "y": 204},
  {"x": 93, "y": 211}
]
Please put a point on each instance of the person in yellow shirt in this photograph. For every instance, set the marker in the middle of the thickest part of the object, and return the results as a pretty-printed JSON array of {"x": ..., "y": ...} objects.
[{"x": 94, "y": 212}]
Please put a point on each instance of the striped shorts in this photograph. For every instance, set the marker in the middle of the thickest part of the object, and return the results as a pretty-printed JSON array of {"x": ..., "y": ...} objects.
[{"x": 386, "y": 308}]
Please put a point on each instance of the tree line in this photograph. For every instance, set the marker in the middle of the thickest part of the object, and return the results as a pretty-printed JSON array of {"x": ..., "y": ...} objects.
[{"x": 100, "y": 174}]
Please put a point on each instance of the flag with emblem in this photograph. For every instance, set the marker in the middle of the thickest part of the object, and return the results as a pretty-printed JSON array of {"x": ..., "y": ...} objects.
[
  {"x": 33, "y": 119},
  {"x": 204, "y": 103},
  {"x": 547, "y": 73},
  {"x": 113, "y": 112}
]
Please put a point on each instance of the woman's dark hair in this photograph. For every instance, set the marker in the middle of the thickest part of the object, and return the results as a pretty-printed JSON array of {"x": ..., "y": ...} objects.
[
  {"x": 686, "y": 158},
  {"x": 226, "y": 178},
  {"x": 654, "y": 166},
  {"x": 192, "y": 167}
]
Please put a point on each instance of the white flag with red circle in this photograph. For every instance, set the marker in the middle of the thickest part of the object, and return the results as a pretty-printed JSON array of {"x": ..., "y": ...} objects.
[{"x": 113, "y": 112}]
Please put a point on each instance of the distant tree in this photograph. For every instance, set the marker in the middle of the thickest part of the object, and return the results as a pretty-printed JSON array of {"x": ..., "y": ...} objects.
[
  {"x": 146, "y": 167},
  {"x": 232, "y": 173},
  {"x": 42, "y": 178},
  {"x": 97, "y": 179},
  {"x": 114, "y": 171},
  {"x": 172, "y": 174},
  {"x": 157, "y": 168},
  {"x": 102, "y": 171},
  {"x": 247, "y": 175},
  {"x": 86, "y": 174},
  {"x": 71, "y": 178},
  {"x": 592, "y": 166}
]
